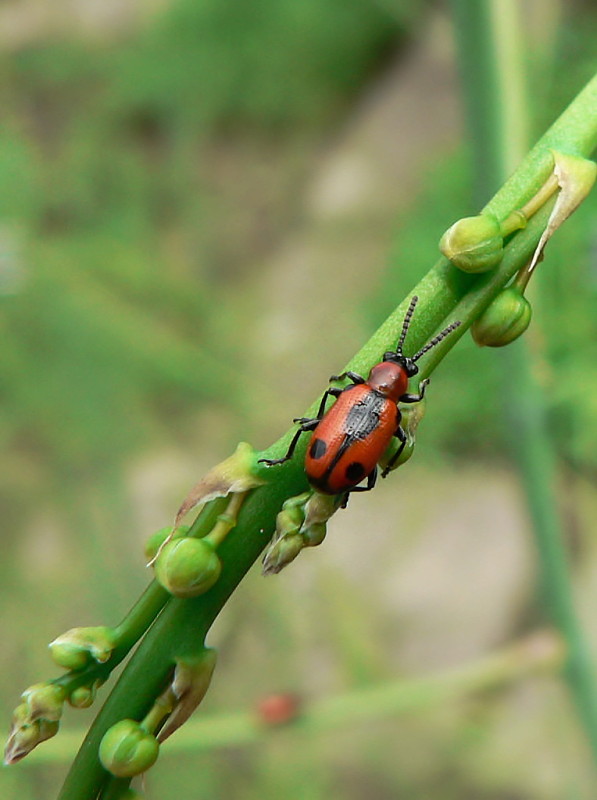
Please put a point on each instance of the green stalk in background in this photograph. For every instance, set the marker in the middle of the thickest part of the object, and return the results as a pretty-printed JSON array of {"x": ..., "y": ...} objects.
[
  {"x": 541, "y": 653},
  {"x": 490, "y": 48}
]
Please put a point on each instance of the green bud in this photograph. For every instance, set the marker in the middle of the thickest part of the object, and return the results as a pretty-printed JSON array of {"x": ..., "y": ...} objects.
[
  {"x": 77, "y": 647},
  {"x": 289, "y": 521},
  {"x": 292, "y": 515},
  {"x": 20, "y": 716},
  {"x": 188, "y": 567},
  {"x": 83, "y": 696},
  {"x": 127, "y": 749},
  {"x": 46, "y": 729},
  {"x": 504, "y": 320},
  {"x": 44, "y": 701},
  {"x": 314, "y": 534},
  {"x": 301, "y": 523},
  {"x": 406, "y": 453},
  {"x": 474, "y": 244},
  {"x": 412, "y": 415},
  {"x": 320, "y": 507},
  {"x": 281, "y": 552},
  {"x": 24, "y": 735},
  {"x": 298, "y": 499},
  {"x": 152, "y": 545}
]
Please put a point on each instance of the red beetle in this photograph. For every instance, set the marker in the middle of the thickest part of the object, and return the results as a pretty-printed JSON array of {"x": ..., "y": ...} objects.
[
  {"x": 279, "y": 709},
  {"x": 350, "y": 438}
]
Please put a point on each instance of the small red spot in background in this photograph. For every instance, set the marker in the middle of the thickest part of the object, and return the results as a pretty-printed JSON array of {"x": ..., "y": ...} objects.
[{"x": 278, "y": 709}]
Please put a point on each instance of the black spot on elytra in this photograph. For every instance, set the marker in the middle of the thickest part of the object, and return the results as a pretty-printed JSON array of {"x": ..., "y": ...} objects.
[
  {"x": 318, "y": 448},
  {"x": 355, "y": 471}
]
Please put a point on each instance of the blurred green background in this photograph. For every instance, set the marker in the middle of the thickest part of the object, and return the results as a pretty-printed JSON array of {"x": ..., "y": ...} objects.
[{"x": 205, "y": 208}]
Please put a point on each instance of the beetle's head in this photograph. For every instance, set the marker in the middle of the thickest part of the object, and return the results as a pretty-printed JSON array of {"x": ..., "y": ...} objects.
[{"x": 407, "y": 364}]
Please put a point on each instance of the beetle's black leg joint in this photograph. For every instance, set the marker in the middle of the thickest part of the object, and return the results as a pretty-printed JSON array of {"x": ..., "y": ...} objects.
[
  {"x": 388, "y": 467},
  {"x": 309, "y": 424},
  {"x": 333, "y": 392},
  {"x": 354, "y": 377},
  {"x": 400, "y": 433},
  {"x": 371, "y": 479},
  {"x": 306, "y": 424},
  {"x": 416, "y": 398},
  {"x": 271, "y": 462}
]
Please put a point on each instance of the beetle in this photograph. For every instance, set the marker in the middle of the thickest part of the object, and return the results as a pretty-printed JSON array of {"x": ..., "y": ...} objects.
[{"x": 350, "y": 438}]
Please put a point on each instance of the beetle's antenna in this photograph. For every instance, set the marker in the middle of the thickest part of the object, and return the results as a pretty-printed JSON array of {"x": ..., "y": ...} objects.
[
  {"x": 406, "y": 323},
  {"x": 436, "y": 339}
]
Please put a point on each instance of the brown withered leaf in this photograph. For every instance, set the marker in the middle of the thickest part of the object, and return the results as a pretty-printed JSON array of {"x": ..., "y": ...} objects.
[
  {"x": 191, "y": 682},
  {"x": 576, "y": 176},
  {"x": 234, "y": 474}
]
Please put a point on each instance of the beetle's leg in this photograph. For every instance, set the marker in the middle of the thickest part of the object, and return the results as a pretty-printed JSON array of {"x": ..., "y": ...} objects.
[
  {"x": 371, "y": 479},
  {"x": 399, "y": 434},
  {"x": 333, "y": 392},
  {"x": 306, "y": 425},
  {"x": 354, "y": 377},
  {"x": 415, "y": 398}
]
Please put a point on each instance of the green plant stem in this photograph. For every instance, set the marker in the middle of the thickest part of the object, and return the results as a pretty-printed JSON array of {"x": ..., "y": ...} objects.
[
  {"x": 444, "y": 292},
  {"x": 540, "y": 653},
  {"x": 116, "y": 789},
  {"x": 140, "y": 617},
  {"x": 227, "y": 520},
  {"x": 494, "y": 84},
  {"x": 160, "y": 709},
  {"x": 518, "y": 218}
]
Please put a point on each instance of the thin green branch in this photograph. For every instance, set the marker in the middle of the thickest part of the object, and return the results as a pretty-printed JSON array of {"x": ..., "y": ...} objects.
[
  {"x": 139, "y": 619},
  {"x": 494, "y": 84},
  {"x": 538, "y": 654},
  {"x": 444, "y": 293}
]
